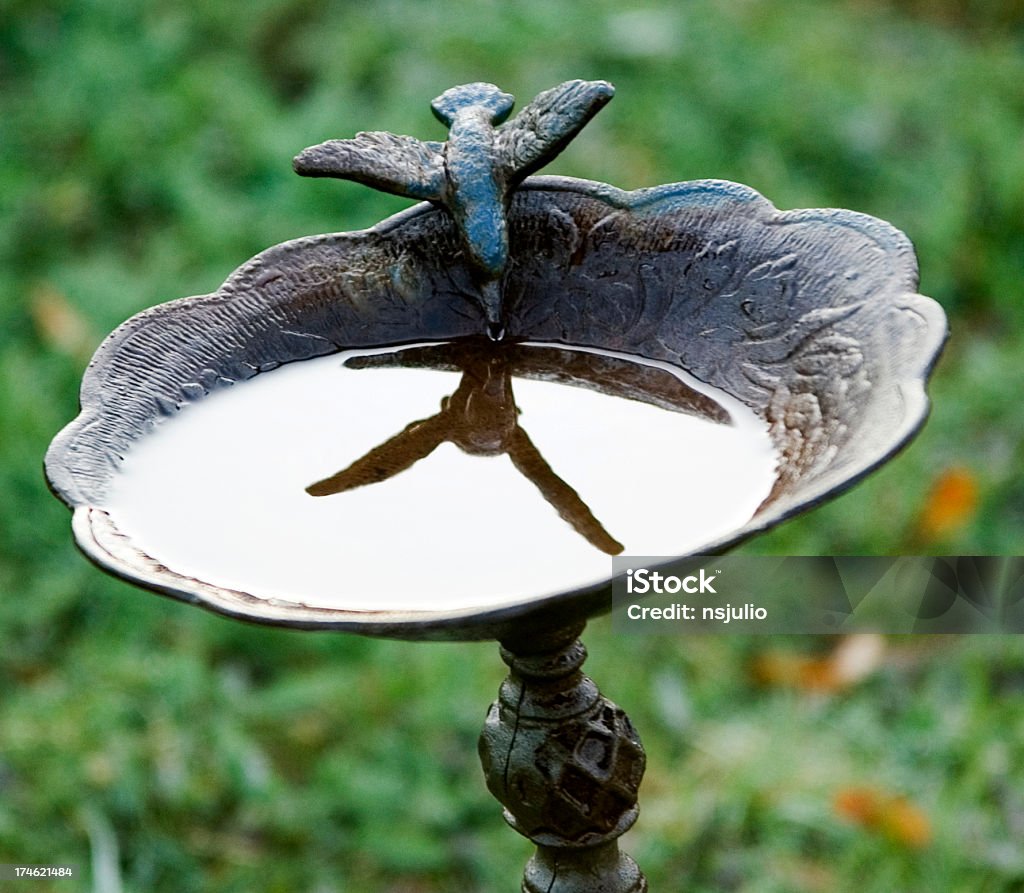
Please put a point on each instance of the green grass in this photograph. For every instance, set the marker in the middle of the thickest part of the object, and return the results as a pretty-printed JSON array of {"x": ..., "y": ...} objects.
[{"x": 145, "y": 153}]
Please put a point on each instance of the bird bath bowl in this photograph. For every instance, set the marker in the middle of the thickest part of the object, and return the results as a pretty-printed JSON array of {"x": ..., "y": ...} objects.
[{"x": 441, "y": 427}]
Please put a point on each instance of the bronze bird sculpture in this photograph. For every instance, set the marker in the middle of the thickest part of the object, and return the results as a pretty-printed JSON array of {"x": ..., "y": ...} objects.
[{"x": 475, "y": 171}]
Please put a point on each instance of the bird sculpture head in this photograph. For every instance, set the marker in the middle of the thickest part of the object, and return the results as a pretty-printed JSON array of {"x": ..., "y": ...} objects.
[{"x": 479, "y": 97}]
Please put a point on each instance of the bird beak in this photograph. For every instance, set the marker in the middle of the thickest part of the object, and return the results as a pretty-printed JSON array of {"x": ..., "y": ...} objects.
[{"x": 491, "y": 294}]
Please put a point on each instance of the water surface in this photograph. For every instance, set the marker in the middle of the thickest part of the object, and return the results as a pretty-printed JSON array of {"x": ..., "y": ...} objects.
[{"x": 219, "y": 490}]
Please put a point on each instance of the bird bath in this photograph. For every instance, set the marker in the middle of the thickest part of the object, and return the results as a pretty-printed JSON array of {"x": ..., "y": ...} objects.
[{"x": 443, "y": 426}]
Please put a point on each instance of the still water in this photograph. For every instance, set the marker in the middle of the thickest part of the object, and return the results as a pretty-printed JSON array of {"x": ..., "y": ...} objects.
[{"x": 500, "y": 496}]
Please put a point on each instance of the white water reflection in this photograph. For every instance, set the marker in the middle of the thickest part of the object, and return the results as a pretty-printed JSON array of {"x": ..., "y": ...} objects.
[{"x": 217, "y": 492}]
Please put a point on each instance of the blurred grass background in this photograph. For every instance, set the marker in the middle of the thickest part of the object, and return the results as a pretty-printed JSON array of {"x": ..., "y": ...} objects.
[{"x": 145, "y": 153}]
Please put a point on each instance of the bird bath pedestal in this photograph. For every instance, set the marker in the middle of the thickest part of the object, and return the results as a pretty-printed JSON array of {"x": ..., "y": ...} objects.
[{"x": 275, "y": 451}]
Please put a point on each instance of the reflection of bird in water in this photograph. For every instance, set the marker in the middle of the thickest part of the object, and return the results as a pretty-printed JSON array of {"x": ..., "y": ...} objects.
[
  {"x": 475, "y": 171},
  {"x": 481, "y": 417}
]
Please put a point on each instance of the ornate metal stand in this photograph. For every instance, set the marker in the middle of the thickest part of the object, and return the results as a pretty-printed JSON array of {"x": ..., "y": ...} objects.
[{"x": 566, "y": 764}]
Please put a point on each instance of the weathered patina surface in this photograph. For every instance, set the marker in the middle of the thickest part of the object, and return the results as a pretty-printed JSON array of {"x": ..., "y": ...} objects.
[{"x": 566, "y": 763}]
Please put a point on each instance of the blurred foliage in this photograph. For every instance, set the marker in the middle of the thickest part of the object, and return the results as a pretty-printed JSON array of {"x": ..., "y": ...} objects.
[{"x": 144, "y": 153}]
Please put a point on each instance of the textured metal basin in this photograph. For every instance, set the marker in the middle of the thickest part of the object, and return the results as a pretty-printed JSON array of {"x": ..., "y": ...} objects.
[{"x": 811, "y": 318}]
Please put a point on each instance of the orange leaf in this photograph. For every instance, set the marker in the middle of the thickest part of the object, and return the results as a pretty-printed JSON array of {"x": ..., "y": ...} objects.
[
  {"x": 859, "y": 805},
  {"x": 59, "y": 324},
  {"x": 853, "y": 659},
  {"x": 951, "y": 503},
  {"x": 890, "y": 815}
]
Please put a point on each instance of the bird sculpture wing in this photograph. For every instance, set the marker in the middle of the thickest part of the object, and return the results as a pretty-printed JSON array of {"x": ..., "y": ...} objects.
[
  {"x": 402, "y": 165},
  {"x": 546, "y": 125}
]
